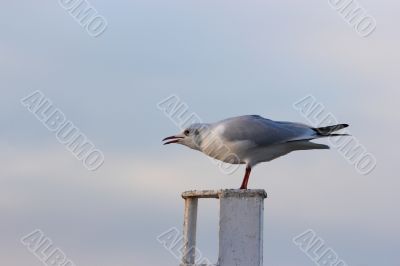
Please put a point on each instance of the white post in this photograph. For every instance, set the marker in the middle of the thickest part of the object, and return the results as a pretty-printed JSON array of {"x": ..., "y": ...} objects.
[
  {"x": 189, "y": 231},
  {"x": 240, "y": 226}
]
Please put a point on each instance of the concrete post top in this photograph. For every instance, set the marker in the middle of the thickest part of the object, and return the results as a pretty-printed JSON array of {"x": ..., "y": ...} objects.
[{"x": 223, "y": 193}]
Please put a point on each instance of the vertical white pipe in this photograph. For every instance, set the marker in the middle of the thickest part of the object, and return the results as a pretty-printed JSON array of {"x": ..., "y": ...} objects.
[{"x": 189, "y": 231}]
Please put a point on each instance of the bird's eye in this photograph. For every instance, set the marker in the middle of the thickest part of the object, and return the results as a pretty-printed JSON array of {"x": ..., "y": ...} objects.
[{"x": 186, "y": 132}]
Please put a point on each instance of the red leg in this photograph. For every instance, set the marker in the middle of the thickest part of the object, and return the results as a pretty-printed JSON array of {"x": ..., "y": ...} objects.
[{"x": 246, "y": 178}]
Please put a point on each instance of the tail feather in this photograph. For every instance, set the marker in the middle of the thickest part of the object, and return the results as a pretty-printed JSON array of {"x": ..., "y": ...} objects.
[
  {"x": 327, "y": 131},
  {"x": 307, "y": 145}
]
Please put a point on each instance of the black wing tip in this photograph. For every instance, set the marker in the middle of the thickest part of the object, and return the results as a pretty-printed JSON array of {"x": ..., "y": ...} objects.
[{"x": 326, "y": 131}]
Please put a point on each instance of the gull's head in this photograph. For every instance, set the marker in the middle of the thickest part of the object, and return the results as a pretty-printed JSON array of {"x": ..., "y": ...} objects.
[{"x": 190, "y": 136}]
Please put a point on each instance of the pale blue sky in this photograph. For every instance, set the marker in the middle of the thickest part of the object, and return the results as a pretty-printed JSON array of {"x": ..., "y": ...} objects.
[{"x": 223, "y": 59}]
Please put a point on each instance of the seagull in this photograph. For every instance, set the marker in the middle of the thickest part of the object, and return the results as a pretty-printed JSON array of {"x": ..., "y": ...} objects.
[{"x": 251, "y": 139}]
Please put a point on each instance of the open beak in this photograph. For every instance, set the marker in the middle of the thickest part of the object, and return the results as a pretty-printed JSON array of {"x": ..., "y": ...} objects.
[{"x": 172, "y": 139}]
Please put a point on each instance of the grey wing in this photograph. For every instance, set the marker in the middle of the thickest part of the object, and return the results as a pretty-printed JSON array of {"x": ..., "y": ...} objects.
[{"x": 264, "y": 132}]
